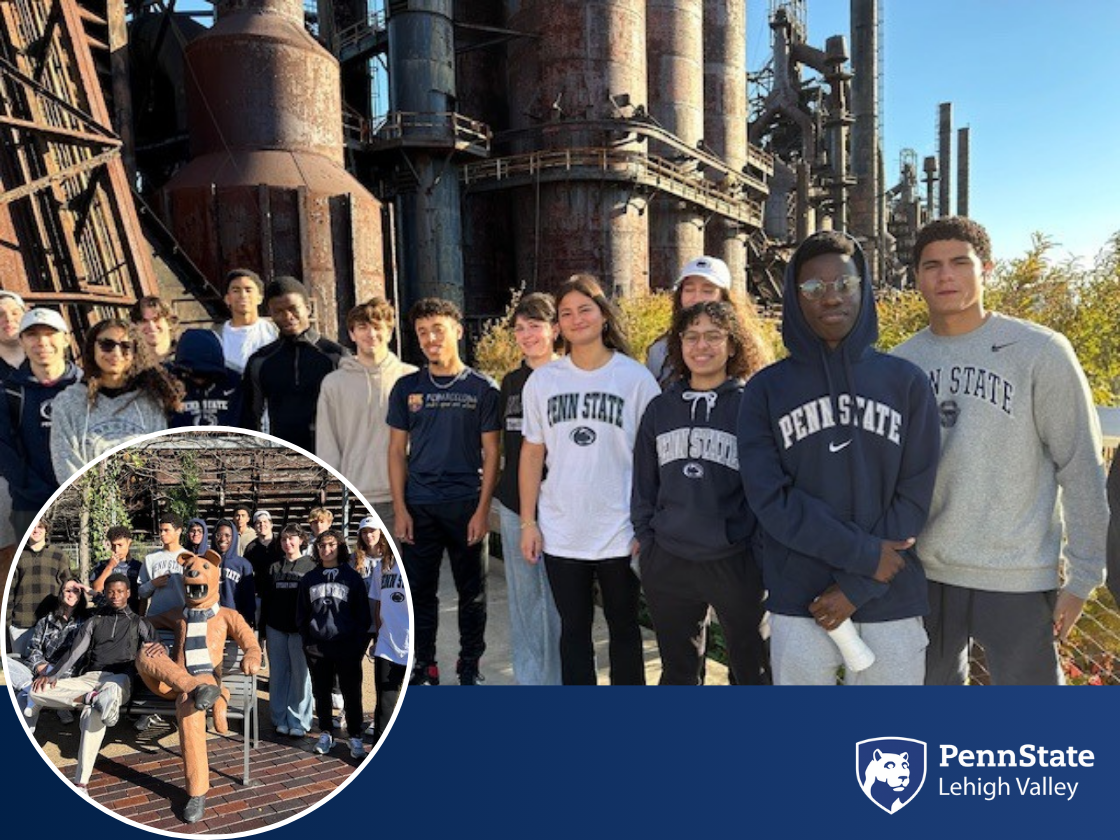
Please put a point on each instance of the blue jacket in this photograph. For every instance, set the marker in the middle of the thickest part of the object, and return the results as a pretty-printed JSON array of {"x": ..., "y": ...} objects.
[
  {"x": 213, "y": 391},
  {"x": 25, "y": 451},
  {"x": 239, "y": 585},
  {"x": 838, "y": 451},
  {"x": 687, "y": 494},
  {"x": 202, "y": 547}
]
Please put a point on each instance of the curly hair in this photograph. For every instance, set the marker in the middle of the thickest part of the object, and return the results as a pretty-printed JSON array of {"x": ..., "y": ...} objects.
[
  {"x": 746, "y": 351},
  {"x": 614, "y": 333},
  {"x": 162, "y": 308},
  {"x": 954, "y": 227},
  {"x": 144, "y": 372},
  {"x": 433, "y": 307},
  {"x": 343, "y": 549}
]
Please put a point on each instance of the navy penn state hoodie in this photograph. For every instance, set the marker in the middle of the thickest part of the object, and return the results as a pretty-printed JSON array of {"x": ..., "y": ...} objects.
[
  {"x": 838, "y": 451},
  {"x": 687, "y": 495},
  {"x": 25, "y": 428}
]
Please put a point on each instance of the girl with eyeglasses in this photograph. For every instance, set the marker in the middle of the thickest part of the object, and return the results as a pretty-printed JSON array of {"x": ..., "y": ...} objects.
[
  {"x": 581, "y": 416},
  {"x": 123, "y": 394},
  {"x": 690, "y": 515}
]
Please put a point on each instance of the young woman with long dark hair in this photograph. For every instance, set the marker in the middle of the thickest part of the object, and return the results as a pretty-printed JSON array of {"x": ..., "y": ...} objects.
[{"x": 581, "y": 420}]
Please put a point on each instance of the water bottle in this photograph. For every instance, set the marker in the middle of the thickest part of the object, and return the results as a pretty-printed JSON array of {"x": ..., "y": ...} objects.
[{"x": 857, "y": 655}]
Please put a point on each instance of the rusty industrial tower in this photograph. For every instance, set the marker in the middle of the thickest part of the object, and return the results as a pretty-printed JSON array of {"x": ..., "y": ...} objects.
[{"x": 459, "y": 148}]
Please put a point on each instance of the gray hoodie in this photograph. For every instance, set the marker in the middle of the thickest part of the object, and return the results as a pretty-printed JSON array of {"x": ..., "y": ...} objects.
[
  {"x": 81, "y": 432},
  {"x": 350, "y": 429}
]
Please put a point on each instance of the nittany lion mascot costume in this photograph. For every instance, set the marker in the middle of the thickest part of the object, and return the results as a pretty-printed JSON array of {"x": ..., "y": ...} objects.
[
  {"x": 192, "y": 675},
  {"x": 890, "y": 770}
]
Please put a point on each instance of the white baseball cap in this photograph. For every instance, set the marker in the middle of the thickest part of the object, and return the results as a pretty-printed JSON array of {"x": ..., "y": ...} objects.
[
  {"x": 369, "y": 522},
  {"x": 262, "y": 514},
  {"x": 712, "y": 269},
  {"x": 42, "y": 318},
  {"x": 4, "y": 293}
]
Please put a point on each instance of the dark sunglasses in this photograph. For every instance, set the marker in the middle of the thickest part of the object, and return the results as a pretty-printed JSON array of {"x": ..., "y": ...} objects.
[{"x": 108, "y": 345}]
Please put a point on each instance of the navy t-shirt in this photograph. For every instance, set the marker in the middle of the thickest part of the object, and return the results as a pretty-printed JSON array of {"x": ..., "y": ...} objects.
[{"x": 445, "y": 418}]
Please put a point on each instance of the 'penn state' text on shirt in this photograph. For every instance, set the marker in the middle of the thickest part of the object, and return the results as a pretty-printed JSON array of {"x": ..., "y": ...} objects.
[
  {"x": 710, "y": 445},
  {"x": 977, "y": 382},
  {"x": 816, "y": 415},
  {"x": 594, "y": 405}
]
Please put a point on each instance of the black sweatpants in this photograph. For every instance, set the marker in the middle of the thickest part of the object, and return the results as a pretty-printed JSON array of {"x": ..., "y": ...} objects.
[
  {"x": 573, "y": 589},
  {"x": 678, "y": 594},
  {"x": 388, "y": 676},
  {"x": 347, "y": 666},
  {"x": 436, "y": 528}
]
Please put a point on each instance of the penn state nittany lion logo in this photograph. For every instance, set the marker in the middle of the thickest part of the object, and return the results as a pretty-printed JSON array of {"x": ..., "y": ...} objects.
[
  {"x": 398, "y": 597},
  {"x": 582, "y": 436},
  {"x": 891, "y": 771}
]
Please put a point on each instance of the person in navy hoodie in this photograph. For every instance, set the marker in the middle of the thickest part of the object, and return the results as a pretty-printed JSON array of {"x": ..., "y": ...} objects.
[
  {"x": 691, "y": 519},
  {"x": 838, "y": 449},
  {"x": 213, "y": 391},
  {"x": 25, "y": 413},
  {"x": 239, "y": 585}
]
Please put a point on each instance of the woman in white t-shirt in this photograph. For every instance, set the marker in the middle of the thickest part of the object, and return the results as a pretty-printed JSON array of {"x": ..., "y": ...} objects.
[
  {"x": 581, "y": 416},
  {"x": 392, "y": 639}
]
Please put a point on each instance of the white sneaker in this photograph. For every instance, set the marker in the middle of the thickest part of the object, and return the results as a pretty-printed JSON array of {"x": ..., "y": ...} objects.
[
  {"x": 324, "y": 744},
  {"x": 107, "y": 701},
  {"x": 357, "y": 748},
  {"x": 82, "y": 791},
  {"x": 283, "y": 730},
  {"x": 297, "y": 732},
  {"x": 371, "y": 730}
]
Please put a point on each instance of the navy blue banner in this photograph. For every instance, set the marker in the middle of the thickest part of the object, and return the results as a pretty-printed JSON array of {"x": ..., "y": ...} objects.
[{"x": 596, "y": 762}]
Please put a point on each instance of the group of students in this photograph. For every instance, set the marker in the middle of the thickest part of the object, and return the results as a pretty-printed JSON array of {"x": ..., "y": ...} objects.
[
  {"x": 319, "y": 608},
  {"x": 886, "y": 510}
]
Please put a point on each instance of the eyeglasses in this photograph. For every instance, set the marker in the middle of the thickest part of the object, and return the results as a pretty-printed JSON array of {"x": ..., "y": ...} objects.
[
  {"x": 844, "y": 285},
  {"x": 713, "y": 338},
  {"x": 108, "y": 345}
]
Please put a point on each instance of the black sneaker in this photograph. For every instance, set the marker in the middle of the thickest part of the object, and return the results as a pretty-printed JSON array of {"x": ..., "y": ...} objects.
[
  {"x": 425, "y": 673},
  {"x": 467, "y": 669}
]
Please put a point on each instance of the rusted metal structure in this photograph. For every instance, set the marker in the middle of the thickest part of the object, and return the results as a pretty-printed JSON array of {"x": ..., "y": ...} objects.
[
  {"x": 266, "y": 187},
  {"x": 725, "y": 119},
  {"x": 866, "y": 195},
  {"x": 675, "y": 43},
  {"x": 945, "y": 158},
  {"x": 963, "y": 163},
  {"x": 69, "y": 231}
]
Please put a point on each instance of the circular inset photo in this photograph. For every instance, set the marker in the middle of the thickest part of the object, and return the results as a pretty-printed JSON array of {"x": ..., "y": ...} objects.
[{"x": 207, "y": 632}]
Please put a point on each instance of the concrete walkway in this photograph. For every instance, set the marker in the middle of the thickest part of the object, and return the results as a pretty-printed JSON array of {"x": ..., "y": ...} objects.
[{"x": 497, "y": 666}]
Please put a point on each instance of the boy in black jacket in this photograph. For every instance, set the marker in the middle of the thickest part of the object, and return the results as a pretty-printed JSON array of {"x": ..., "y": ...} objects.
[{"x": 838, "y": 447}]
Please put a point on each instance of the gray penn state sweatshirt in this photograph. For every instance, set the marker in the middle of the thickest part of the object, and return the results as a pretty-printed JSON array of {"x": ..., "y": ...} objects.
[{"x": 1020, "y": 493}]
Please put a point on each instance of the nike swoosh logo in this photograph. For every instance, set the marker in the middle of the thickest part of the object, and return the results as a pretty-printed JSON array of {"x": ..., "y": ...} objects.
[
  {"x": 997, "y": 347},
  {"x": 832, "y": 447}
]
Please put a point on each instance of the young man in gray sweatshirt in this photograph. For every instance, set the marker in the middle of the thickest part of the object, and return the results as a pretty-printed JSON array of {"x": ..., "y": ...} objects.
[{"x": 1010, "y": 561}]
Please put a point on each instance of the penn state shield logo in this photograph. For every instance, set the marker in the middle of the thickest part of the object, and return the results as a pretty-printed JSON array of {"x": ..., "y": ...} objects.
[{"x": 891, "y": 771}]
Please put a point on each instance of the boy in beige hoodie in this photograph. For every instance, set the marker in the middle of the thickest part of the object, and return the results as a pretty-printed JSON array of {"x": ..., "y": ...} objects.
[{"x": 351, "y": 434}]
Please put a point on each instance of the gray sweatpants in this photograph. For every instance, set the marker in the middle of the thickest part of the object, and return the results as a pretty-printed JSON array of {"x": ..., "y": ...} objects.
[
  {"x": 69, "y": 694},
  {"x": 1016, "y": 630},
  {"x": 802, "y": 653}
]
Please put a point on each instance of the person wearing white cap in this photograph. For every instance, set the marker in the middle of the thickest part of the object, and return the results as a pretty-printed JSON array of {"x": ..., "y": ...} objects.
[
  {"x": 25, "y": 414},
  {"x": 702, "y": 279}
]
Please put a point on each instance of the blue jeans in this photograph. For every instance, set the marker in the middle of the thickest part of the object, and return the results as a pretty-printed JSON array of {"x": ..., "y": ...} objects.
[
  {"x": 534, "y": 623},
  {"x": 289, "y": 680}
]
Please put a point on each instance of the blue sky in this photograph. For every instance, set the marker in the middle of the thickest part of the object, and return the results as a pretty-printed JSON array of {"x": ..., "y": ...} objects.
[{"x": 1035, "y": 82}]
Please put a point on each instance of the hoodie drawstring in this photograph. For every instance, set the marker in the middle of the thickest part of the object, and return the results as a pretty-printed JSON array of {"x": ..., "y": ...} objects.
[{"x": 709, "y": 398}]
